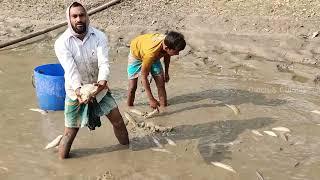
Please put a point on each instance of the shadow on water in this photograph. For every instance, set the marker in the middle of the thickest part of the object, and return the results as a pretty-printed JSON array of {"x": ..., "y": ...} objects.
[
  {"x": 222, "y": 96},
  {"x": 214, "y": 138}
]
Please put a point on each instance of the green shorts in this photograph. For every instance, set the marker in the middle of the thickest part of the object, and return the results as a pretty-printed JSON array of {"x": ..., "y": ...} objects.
[
  {"x": 76, "y": 116},
  {"x": 134, "y": 67}
]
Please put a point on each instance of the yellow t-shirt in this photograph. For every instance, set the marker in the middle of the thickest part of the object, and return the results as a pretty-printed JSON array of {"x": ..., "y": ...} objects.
[{"x": 147, "y": 48}]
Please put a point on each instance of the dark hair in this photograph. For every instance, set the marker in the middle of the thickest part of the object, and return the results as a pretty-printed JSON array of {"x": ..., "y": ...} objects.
[
  {"x": 175, "y": 40},
  {"x": 76, "y": 4}
]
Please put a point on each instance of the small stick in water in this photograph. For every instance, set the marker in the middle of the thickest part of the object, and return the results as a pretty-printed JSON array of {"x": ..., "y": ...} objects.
[
  {"x": 137, "y": 112},
  {"x": 296, "y": 164},
  {"x": 54, "y": 143},
  {"x": 149, "y": 124},
  {"x": 271, "y": 133},
  {"x": 130, "y": 119},
  {"x": 259, "y": 175},
  {"x": 150, "y": 114},
  {"x": 284, "y": 136},
  {"x": 4, "y": 168},
  {"x": 282, "y": 129},
  {"x": 224, "y": 166},
  {"x": 43, "y": 112},
  {"x": 157, "y": 142},
  {"x": 256, "y": 132},
  {"x": 316, "y": 111},
  {"x": 160, "y": 150},
  {"x": 234, "y": 108},
  {"x": 172, "y": 143}
]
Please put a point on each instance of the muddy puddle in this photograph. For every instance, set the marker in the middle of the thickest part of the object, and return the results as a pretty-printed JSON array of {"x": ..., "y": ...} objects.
[{"x": 205, "y": 129}]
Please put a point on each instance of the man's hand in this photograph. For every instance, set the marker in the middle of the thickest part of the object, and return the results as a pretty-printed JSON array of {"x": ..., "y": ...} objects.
[
  {"x": 166, "y": 68},
  {"x": 81, "y": 101},
  {"x": 101, "y": 86},
  {"x": 166, "y": 77},
  {"x": 154, "y": 104}
]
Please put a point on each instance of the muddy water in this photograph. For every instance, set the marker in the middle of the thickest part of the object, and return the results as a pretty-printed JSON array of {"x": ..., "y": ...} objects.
[{"x": 205, "y": 129}]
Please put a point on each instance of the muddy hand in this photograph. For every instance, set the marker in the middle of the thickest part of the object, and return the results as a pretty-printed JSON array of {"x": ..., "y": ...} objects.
[
  {"x": 78, "y": 94},
  {"x": 101, "y": 86},
  {"x": 166, "y": 78},
  {"x": 154, "y": 104}
]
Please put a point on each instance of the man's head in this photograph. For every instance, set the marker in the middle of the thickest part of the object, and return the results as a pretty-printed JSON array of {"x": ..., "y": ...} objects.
[
  {"x": 77, "y": 18},
  {"x": 174, "y": 43}
]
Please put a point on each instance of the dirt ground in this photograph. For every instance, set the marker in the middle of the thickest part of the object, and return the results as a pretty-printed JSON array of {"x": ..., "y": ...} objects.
[{"x": 261, "y": 56}]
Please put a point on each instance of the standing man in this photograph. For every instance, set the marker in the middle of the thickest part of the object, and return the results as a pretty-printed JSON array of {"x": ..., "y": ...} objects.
[{"x": 83, "y": 53}]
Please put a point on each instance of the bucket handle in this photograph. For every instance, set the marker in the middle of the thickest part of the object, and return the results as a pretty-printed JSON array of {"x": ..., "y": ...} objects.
[{"x": 32, "y": 81}]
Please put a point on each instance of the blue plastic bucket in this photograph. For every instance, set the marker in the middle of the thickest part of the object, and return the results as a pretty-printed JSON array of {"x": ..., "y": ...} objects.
[{"x": 49, "y": 85}]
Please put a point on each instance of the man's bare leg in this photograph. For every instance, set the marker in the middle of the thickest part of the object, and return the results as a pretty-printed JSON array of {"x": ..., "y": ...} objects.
[
  {"x": 119, "y": 127},
  {"x": 66, "y": 142},
  {"x": 132, "y": 91},
  {"x": 159, "y": 79}
]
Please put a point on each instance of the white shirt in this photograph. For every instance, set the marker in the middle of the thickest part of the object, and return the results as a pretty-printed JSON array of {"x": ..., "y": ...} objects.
[{"x": 84, "y": 62}]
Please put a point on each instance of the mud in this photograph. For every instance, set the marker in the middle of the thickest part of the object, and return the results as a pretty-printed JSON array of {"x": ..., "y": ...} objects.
[{"x": 233, "y": 56}]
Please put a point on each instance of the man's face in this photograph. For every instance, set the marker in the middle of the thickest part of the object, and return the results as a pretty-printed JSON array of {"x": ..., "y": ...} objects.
[
  {"x": 172, "y": 52},
  {"x": 78, "y": 19}
]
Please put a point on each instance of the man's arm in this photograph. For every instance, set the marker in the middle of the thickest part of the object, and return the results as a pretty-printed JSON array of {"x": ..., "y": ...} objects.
[
  {"x": 145, "y": 70},
  {"x": 66, "y": 60},
  {"x": 166, "y": 60},
  {"x": 103, "y": 63}
]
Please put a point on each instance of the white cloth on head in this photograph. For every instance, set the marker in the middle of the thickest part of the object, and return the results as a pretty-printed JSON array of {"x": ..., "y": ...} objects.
[{"x": 69, "y": 22}]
